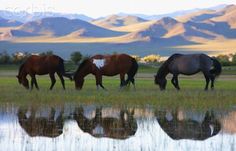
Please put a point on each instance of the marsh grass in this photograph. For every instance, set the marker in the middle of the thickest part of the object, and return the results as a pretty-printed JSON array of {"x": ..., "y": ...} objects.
[{"x": 146, "y": 93}]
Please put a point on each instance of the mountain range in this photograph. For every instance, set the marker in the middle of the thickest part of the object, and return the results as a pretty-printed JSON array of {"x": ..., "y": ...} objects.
[
  {"x": 23, "y": 16},
  {"x": 192, "y": 28}
]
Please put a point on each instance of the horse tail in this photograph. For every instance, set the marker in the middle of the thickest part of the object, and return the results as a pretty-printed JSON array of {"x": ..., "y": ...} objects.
[
  {"x": 132, "y": 71},
  {"x": 217, "y": 67},
  {"x": 62, "y": 70}
]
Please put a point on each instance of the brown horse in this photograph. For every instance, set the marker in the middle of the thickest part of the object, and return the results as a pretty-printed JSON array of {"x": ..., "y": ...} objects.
[
  {"x": 108, "y": 65},
  {"x": 41, "y": 65}
]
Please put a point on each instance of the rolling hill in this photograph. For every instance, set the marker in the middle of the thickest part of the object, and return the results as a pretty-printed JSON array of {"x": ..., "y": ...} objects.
[
  {"x": 118, "y": 21},
  {"x": 59, "y": 26},
  {"x": 8, "y": 23},
  {"x": 169, "y": 28},
  {"x": 228, "y": 16},
  {"x": 200, "y": 29}
]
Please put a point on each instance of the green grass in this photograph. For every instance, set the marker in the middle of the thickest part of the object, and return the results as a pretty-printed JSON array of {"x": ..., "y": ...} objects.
[{"x": 191, "y": 95}]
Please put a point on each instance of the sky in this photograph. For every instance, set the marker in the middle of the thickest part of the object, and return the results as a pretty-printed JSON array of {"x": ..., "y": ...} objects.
[{"x": 98, "y": 8}]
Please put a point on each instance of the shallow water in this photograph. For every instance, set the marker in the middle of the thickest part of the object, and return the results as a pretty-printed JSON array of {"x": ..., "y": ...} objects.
[{"x": 91, "y": 128}]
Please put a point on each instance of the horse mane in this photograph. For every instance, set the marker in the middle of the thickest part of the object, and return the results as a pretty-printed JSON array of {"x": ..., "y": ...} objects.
[
  {"x": 163, "y": 70},
  {"x": 82, "y": 64},
  {"x": 21, "y": 68}
]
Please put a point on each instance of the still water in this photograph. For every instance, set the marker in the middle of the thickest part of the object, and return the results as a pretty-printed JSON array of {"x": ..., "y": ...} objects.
[{"x": 91, "y": 128}]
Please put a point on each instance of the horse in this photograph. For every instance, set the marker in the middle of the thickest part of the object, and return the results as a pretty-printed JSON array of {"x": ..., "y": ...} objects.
[
  {"x": 41, "y": 65},
  {"x": 188, "y": 65},
  {"x": 108, "y": 65}
]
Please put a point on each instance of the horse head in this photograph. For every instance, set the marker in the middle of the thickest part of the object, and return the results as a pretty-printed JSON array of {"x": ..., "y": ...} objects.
[
  {"x": 83, "y": 70},
  {"x": 161, "y": 82},
  {"x": 19, "y": 79},
  {"x": 79, "y": 82},
  {"x": 23, "y": 81}
]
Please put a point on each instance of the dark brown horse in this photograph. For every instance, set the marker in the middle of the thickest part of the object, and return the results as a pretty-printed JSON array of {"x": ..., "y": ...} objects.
[
  {"x": 188, "y": 65},
  {"x": 108, "y": 65},
  {"x": 117, "y": 128},
  {"x": 41, "y": 65},
  {"x": 41, "y": 126},
  {"x": 189, "y": 128}
]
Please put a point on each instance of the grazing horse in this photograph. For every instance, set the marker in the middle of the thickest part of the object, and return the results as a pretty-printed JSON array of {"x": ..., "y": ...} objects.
[
  {"x": 118, "y": 128},
  {"x": 188, "y": 65},
  {"x": 108, "y": 65},
  {"x": 189, "y": 128},
  {"x": 40, "y": 65}
]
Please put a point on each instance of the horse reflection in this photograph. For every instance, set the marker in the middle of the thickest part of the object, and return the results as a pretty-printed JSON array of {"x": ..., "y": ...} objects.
[
  {"x": 188, "y": 128},
  {"x": 117, "y": 128},
  {"x": 41, "y": 126}
]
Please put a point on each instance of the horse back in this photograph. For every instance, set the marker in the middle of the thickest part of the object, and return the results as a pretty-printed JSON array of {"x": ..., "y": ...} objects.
[
  {"x": 114, "y": 64},
  {"x": 43, "y": 64},
  {"x": 189, "y": 64}
]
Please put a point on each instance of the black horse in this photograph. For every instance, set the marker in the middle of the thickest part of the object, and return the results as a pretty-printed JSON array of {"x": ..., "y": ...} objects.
[{"x": 188, "y": 65}]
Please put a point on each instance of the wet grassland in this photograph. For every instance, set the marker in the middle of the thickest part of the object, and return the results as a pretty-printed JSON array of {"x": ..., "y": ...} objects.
[{"x": 146, "y": 93}]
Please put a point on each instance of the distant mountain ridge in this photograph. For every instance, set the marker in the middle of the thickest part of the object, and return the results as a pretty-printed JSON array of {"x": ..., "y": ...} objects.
[
  {"x": 9, "y": 23},
  {"x": 173, "y": 14},
  {"x": 60, "y": 26},
  {"x": 24, "y": 16},
  {"x": 117, "y": 21},
  {"x": 192, "y": 28}
]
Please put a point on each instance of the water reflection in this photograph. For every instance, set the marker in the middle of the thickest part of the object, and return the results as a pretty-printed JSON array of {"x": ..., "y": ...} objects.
[
  {"x": 119, "y": 128},
  {"x": 91, "y": 128},
  {"x": 40, "y": 126},
  {"x": 179, "y": 128}
]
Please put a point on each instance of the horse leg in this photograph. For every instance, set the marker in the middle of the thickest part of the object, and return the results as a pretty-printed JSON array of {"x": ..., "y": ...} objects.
[
  {"x": 207, "y": 80},
  {"x": 173, "y": 81},
  {"x": 99, "y": 81},
  {"x": 133, "y": 82},
  {"x": 212, "y": 82},
  {"x": 34, "y": 82},
  {"x": 177, "y": 82},
  {"x": 122, "y": 80},
  {"x": 53, "y": 80},
  {"x": 62, "y": 80}
]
